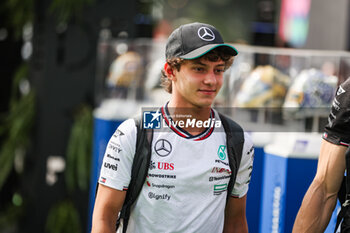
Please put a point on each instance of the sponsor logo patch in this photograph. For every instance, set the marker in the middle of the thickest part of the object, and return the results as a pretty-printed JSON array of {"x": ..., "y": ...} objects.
[
  {"x": 157, "y": 197},
  {"x": 112, "y": 157},
  {"x": 206, "y": 34},
  {"x": 340, "y": 90},
  {"x": 213, "y": 178},
  {"x": 163, "y": 147},
  {"x": 115, "y": 147},
  {"x": 165, "y": 166},
  {"x": 113, "y": 167},
  {"x": 162, "y": 176},
  {"x": 161, "y": 166},
  {"x": 219, "y": 188},
  {"x": 160, "y": 186},
  {"x": 152, "y": 165},
  {"x": 221, "y": 152},
  {"x": 222, "y": 162},
  {"x": 221, "y": 170},
  {"x": 118, "y": 133}
]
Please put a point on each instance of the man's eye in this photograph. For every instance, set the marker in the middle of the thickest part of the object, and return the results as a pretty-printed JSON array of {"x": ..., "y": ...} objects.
[
  {"x": 199, "y": 69},
  {"x": 219, "y": 70}
]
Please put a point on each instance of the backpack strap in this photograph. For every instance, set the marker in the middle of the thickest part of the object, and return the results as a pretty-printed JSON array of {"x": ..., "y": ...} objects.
[
  {"x": 345, "y": 205},
  {"x": 234, "y": 142},
  {"x": 139, "y": 170}
]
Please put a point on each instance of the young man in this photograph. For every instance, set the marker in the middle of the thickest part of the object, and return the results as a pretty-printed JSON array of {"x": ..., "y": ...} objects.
[
  {"x": 321, "y": 197},
  {"x": 186, "y": 186}
]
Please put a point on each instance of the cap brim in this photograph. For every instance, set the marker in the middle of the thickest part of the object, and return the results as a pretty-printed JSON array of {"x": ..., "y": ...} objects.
[{"x": 205, "y": 49}]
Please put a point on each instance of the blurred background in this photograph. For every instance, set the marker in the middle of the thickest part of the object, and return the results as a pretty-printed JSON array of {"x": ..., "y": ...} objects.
[{"x": 71, "y": 71}]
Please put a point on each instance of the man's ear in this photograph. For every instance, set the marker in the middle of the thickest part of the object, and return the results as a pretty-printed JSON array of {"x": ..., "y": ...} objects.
[{"x": 169, "y": 71}]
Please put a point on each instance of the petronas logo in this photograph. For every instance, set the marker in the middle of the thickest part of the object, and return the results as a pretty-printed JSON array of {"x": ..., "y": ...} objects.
[{"x": 221, "y": 152}]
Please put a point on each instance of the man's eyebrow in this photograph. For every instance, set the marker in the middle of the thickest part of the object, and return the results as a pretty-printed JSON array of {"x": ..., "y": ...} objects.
[{"x": 196, "y": 62}]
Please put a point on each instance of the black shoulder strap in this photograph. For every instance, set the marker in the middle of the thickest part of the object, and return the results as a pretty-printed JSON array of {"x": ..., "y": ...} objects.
[
  {"x": 235, "y": 142},
  {"x": 139, "y": 170},
  {"x": 345, "y": 205}
]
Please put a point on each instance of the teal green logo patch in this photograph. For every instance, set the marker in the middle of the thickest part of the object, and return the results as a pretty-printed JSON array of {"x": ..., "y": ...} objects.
[
  {"x": 221, "y": 152},
  {"x": 219, "y": 188}
]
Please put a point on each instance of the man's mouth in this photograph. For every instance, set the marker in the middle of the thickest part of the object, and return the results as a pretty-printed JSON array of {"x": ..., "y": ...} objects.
[{"x": 207, "y": 92}]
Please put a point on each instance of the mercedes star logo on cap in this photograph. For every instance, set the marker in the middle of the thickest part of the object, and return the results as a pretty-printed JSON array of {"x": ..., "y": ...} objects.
[
  {"x": 162, "y": 147},
  {"x": 206, "y": 34}
]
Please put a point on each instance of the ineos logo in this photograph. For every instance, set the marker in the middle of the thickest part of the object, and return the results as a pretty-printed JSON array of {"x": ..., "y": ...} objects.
[
  {"x": 206, "y": 34},
  {"x": 162, "y": 147}
]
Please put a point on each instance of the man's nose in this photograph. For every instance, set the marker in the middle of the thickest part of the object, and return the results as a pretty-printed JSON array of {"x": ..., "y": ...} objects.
[{"x": 210, "y": 78}]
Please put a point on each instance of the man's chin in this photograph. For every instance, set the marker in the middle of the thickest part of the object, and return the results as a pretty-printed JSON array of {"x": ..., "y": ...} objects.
[{"x": 205, "y": 104}]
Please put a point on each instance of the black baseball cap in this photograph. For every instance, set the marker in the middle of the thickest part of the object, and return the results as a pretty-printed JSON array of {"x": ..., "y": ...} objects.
[{"x": 193, "y": 40}]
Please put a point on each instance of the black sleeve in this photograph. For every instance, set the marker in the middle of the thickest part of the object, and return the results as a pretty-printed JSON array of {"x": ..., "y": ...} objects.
[{"x": 337, "y": 130}]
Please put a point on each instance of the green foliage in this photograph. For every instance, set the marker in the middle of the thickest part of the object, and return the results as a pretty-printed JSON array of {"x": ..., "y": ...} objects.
[
  {"x": 63, "y": 218},
  {"x": 9, "y": 216},
  {"x": 79, "y": 150},
  {"x": 65, "y": 10},
  {"x": 17, "y": 13},
  {"x": 7, "y": 157},
  {"x": 16, "y": 126}
]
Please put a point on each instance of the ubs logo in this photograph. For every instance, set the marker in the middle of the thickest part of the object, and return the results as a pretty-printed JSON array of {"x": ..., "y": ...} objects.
[
  {"x": 165, "y": 166},
  {"x": 161, "y": 166},
  {"x": 162, "y": 147}
]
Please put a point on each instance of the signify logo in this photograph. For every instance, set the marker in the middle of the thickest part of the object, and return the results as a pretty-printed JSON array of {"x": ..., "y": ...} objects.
[{"x": 155, "y": 196}]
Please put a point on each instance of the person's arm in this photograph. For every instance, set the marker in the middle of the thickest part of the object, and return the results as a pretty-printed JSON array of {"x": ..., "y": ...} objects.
[
  {"x": 235, "y": 211},
  {"x": 235, "y": 218},
  {"x": 108, "y": 203},
  {"x": 320, "y": 199}
]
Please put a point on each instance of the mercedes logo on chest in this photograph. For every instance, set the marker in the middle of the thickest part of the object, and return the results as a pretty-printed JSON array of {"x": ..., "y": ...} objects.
[
  {"x": 206, "y": 34},
  {"x": 162, "y": 147}
]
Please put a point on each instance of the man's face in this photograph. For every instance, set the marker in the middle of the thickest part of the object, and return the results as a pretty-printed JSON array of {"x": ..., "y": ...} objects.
[{"x": 197, "y": 82}]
